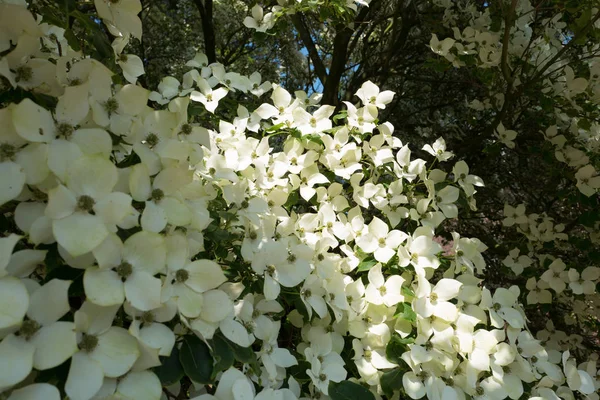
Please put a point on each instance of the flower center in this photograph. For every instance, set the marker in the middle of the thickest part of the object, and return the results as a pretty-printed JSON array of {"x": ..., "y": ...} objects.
[
  {"x": 111, "y": 106},
  {"x": 23, "y": 73},
  {"x": 29, "y": 328},
  {"x": 152, "y": 140},
  {"x": 7, "y": 151},
  {"x": 88, "y": 343},
  {"x": 186, "y": 129},
  {"x": 182, "y": 275},
  {"x": 65, "y": 130},
  {"x": 124, "y": 270},
  {"x": 157, "y": 195},
  {"x": 85, "y": 203},
  {"x": 147, "y": 317}
]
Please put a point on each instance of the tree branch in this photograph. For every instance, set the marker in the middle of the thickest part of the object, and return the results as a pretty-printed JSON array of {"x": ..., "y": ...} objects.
[
  {"x": 208, "y": 29},
  {"x": 308, "y": 42}
]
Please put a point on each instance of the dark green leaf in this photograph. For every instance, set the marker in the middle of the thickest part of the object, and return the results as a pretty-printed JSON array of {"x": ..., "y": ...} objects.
[
  {"x": 396, "y": 347},
  {"x": 170, "y": 371},
  {"x": 222, "y": 354},
  {"x": 348, "y": 390},
  {"x": 196, "y": 359},
  {"x": 391, "y": 381}
]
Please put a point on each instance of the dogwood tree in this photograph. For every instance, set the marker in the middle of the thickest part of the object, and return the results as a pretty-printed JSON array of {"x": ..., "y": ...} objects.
[{"x": 219, "y": 236}]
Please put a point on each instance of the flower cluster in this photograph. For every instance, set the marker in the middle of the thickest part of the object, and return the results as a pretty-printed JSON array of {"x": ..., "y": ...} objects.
[{"x": 288, "y": 252}]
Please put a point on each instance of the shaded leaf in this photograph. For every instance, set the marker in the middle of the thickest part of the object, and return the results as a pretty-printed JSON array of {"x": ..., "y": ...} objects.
[{"x": 196, "y": 359}]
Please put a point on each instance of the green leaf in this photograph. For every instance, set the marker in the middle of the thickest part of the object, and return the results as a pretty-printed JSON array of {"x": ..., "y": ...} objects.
[
  {"x": 396, "y": 347},
  {"x": 407, "y": 291},
  {"x": 170, "y": 371},
  {"x": 72, "y": 40},
  {"x": 405, "y": 311},
  {"x": 222, "y": 355},
  {"x": 391, "y": 381},
  {"x": 348, "y": 390},
  {"x": 196, "y": 359},
  {"x": 366, "y": 264}
]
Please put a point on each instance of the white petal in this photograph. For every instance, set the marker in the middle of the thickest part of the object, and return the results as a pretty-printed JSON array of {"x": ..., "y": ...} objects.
[
  {"x": 85, "y": 377},
  {"x": 7, "y": 244},
  {"x": 12, "y": 179},
  {"x": 178, "y": 214},
  {"x": 73, "y": 105},
  {"x": 61, "y": 156},
  {"x": 116, "y": 352},
  {"x": 158, "y": 336},
  {"x": 217, "y": 306},
  {"x": 16, "y": 360},
  {"x": 34, "y": 160},
  {"x": 147, "y": 251},
  {"x": 108, "y": 254},
  {"x": 14, "y": 301},
  {"x": 54, "y": 345},
  {"x": 235, "y": 332},
  {"x": 113, "y": 208},
  {"x": 204, "y": 275},
  {"x": 413, "y": 385},
  {"x": 139, "y": 182},
  {"x": 103, "y": 287},
  {"x": 154, "y": 218},
  {"x": 50, "y": 302},
  {"x": 228, "y": 379},
  {"x": 143, "y": 290},
  {"x": 243, "y": 390},
  {"x": 189, "y": 302},
  {"x": 79, "y": 233},
  {"x": 283, "y": 358},
  {"x": 33, "y": 122},
  {"x": 95, "y": 176},
  {"x": 24, "y": 262},
  {"x": 142, "y": 385},
  {"x": 37, "y": 391},
  {"x": 447, "y": 289},
  {"x": 61, "y": 202}
]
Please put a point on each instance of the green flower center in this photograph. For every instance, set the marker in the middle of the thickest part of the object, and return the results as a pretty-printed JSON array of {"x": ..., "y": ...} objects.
[
  {"x": 65, "y": 130},
  {"x": 24, "y": 73},
  {"x": 85, "y": 203},
  {"x": 7, "y": 151},
  {"x": 157, "y": 195},
  {"x": 182, "y": 275},
  {"x": 186, "y": 129},
  {"x": 88, "y": 343},
  {"x": 29, "y": 328},
  {"x": 124, "y": 270}
]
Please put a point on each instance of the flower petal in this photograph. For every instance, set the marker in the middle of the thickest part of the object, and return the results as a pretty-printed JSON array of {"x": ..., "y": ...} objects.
[
  {"x": 103, "y": 287},
  {"x": 79, "y": 233},
  {"x": 16, "y": 360},
  {"x": 37, "y": 391},
  {"x": 50, "y": 302},
  {"x": 54, "y": 344},
  {"x": 85, "y": 377},
  {"x": 116, "y": 352},
  {"x": 14, "y": 301}
]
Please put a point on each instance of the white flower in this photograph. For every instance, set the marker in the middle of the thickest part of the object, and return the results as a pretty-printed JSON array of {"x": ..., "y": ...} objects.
[
  {"x": 379, "y": 291},
  {"x": 434, "y": 301},
  {"x": 207, "y": 96},
  {"x": 442, "y": 48},
  {"x": 370, "y": 96},
  {"x": 584, "y": 283},
  {"x": 438, "y": 150},
  {"x": 506, "y": 136}
]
